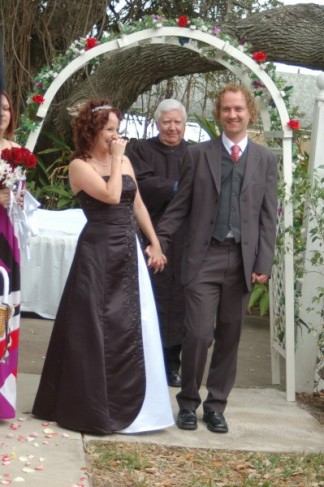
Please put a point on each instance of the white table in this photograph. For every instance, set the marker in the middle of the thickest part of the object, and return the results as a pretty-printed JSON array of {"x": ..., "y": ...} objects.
[{"x": 43, "y": 276}]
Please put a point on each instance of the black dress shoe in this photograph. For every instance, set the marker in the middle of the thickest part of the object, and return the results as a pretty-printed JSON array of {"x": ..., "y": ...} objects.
[
  {"x": 187, "y": 419},
  {"x": 174, "y": 379},
  {"x": 215, "y": 422}
]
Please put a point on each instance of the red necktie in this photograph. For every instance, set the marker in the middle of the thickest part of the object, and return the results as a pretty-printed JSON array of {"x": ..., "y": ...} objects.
[{"x": 235, "y": 150}]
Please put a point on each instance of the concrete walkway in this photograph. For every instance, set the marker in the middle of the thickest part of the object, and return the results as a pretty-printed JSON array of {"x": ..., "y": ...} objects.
[{"x": 259, "y": 418}]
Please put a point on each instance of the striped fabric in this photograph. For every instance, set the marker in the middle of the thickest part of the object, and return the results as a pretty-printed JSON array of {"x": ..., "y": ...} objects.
[{"x": 10, "y": 260}]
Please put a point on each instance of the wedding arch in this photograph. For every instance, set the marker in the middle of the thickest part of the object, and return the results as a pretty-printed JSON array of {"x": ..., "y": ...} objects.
[{"x": 207, "y": 43}]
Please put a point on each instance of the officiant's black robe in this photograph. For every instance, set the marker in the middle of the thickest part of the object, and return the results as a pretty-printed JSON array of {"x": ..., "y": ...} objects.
[{"x": 157, "y": 169}]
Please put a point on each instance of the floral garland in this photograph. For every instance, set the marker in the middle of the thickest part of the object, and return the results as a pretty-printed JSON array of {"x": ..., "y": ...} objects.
[{"x": 48, "y": 73}]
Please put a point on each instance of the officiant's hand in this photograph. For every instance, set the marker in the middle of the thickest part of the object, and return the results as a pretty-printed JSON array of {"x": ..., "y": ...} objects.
[{"x": 5, "y": 197}]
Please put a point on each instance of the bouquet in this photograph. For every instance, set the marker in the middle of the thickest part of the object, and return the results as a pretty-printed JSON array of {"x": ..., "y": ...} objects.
[{"x": 13, "y": 165}]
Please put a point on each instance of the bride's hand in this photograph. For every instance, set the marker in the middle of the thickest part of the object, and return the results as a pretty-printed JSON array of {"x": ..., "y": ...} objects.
[
  {"x": 156, "y": 259},
  {"x": 117, "y": 147}
]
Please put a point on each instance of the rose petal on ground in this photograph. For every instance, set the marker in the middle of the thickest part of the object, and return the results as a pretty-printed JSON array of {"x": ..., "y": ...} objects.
[
  {"x": 33, "y": 434},
  {"x": 28, "y": 470}
]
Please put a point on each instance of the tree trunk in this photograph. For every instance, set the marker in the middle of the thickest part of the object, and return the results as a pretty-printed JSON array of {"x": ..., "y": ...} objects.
[
  {"x": 283, "y": 34},
  {"x": 293, "y": 34}
]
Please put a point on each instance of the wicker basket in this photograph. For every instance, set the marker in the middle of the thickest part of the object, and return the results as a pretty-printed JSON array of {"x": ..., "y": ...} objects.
[{"x": 5, "y": 313}]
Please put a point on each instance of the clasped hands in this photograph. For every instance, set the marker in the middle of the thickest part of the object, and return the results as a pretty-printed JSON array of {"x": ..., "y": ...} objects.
[{"x": 156, "y": 260}]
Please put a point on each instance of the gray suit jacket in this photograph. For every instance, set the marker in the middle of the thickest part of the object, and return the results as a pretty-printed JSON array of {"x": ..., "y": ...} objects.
[{"x": 197, "y": 198}]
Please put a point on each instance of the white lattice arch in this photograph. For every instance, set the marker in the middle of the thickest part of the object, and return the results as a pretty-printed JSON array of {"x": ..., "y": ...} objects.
[{"x": 282, "y": 282}]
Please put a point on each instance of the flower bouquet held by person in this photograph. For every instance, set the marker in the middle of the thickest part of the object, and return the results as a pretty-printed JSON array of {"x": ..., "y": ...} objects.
[{"x": 14, "y": 162}]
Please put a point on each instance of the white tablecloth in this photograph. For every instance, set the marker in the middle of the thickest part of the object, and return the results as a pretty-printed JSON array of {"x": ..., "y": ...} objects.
[{"x": 43, "y": 276}]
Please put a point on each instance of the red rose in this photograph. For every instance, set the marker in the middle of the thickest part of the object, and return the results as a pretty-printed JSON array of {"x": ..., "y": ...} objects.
[
  {"x": 90, "y": 43},
  {"x": 5, "y": 155},
  {"x": 31, "y": 160},
  {"x": 38, "y": 99},
  {"x": 294, "y": 124},
  {"x": 182, "y": 21},
  {"x": 17, "y": 155},
  {"x": 259, "y": 56}
]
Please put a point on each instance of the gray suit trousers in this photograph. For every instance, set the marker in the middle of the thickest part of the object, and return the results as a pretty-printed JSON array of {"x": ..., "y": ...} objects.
[{"x": 219, "y": 289}]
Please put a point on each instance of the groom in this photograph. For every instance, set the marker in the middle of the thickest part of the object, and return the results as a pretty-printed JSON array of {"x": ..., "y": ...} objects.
[{"x": 228, "y": 190}]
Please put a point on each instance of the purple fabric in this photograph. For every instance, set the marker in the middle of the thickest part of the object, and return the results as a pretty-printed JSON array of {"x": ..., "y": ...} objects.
[
  {"x": 7, "y": 411},
  {"x": 7, "y": 230},
  {"x": 9, "y": 366}
]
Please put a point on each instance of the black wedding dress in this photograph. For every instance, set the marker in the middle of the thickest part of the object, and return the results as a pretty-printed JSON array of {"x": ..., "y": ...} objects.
[{"x": 105, "y": 355}]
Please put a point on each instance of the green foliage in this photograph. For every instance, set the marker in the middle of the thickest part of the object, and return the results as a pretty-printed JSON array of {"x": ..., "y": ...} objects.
[
  {"x": 308, "y": 203},
  {"x": 209, "y": 126},
  {"x": 49, "y": 181},
  {"x": 259, "y": 297}
]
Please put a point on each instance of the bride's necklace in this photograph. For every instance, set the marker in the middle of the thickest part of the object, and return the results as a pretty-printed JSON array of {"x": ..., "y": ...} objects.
[{"x": 105, "y": 164}]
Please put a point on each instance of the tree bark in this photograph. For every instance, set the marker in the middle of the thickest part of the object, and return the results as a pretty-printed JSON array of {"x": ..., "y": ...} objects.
[{"x": 293, "y": 34}]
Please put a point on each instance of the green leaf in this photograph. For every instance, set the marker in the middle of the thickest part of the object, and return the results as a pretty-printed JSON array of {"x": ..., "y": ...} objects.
[
  {"x": 264, "y": 304},
  {"x": 255, "y": 296}
]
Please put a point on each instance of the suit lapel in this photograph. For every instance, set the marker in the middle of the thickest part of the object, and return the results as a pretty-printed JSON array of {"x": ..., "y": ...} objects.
[
  {"x": 214, "y": 158},
  {"x": 251, "y": 162}
]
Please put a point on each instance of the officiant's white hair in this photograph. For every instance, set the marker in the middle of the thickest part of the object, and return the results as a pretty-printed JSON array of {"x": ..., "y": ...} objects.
[{"x": 167, "y": 105}]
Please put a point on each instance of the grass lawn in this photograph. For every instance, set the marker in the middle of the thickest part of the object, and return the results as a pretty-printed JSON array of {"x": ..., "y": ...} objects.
[{"x": 119, "y": 464}]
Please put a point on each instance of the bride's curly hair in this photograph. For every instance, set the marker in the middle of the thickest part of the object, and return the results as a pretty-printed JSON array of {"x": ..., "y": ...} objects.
[{"x": 90, "y": 119}]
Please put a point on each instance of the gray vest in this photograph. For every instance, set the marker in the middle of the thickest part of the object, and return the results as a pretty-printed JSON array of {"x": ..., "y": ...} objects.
[{"x": 228, "y": 213}]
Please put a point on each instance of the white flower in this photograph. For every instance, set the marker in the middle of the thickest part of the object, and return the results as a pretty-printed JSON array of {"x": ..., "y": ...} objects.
[
  {"x": 193, "y": 27},
  {"x": 9, "y": 175},
  {"x": 203, "y": 28}
]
